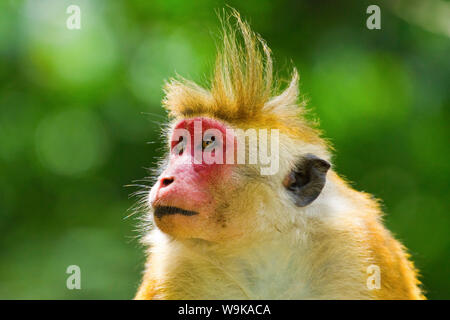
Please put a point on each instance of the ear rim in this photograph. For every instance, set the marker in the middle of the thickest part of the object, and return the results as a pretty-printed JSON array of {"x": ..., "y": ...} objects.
[{"x": 306, "y": 181}]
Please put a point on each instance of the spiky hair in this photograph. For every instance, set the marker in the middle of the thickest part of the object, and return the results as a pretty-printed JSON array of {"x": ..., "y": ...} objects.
[{"x": 243, "y": 91}]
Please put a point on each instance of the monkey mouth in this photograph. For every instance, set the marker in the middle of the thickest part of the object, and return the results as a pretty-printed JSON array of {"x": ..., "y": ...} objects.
[{"x": 161, "y": 211}]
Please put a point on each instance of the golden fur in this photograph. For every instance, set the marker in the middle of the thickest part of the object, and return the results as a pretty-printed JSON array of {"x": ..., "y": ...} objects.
[
  {"x": 242, "y": 91},
  {"x": 321, "y": 251}
]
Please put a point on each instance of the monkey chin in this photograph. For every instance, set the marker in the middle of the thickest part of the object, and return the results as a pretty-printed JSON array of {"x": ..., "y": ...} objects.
[{"x": 184, "y": 224}]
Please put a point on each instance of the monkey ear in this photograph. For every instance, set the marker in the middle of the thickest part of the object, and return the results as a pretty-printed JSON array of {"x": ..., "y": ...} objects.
[{"x": 307, "y": 180}]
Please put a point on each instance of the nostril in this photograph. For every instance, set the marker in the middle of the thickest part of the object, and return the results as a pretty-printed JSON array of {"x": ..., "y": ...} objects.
[{"x": 166, "y": 181}]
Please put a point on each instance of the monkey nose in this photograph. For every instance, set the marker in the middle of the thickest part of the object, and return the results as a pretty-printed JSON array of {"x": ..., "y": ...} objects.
[{"x": 165, "y": 182}]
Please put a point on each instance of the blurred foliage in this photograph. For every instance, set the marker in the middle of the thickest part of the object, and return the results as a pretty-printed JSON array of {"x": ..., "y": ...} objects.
[{"x": 78, "y": 106}]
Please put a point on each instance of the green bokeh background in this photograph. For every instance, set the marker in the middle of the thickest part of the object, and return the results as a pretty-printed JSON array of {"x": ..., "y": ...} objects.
[{"x": 78, "y": 106}]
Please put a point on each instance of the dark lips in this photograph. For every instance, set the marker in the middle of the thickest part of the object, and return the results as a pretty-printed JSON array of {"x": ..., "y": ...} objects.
[{"x": 166, "y": 210}]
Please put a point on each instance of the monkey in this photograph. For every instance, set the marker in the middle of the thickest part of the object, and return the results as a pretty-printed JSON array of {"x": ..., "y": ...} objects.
[{"x": 224, "y": 230}]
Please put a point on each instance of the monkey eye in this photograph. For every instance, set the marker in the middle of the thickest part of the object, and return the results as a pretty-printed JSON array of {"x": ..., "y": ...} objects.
[
  {"x": 208, "y": 142},
  {"x": 179, "y": 147}
]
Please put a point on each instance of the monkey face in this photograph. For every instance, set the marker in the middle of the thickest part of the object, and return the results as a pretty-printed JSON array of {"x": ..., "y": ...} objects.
[
  {"x": 188, "y": 197},
  {"x": 204, "y": 192}
]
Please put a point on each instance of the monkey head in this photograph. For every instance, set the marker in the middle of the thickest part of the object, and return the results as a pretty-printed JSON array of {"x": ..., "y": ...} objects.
[{"x": 207, "y": 190}]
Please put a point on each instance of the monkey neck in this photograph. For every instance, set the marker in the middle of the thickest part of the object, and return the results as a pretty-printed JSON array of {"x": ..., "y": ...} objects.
[
  {"x": 196, "y": 269},
  {"x": 291, "y": 265}
]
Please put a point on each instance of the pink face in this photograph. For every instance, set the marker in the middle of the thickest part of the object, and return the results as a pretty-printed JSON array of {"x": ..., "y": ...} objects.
[{"x": 185, "y": 198}]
